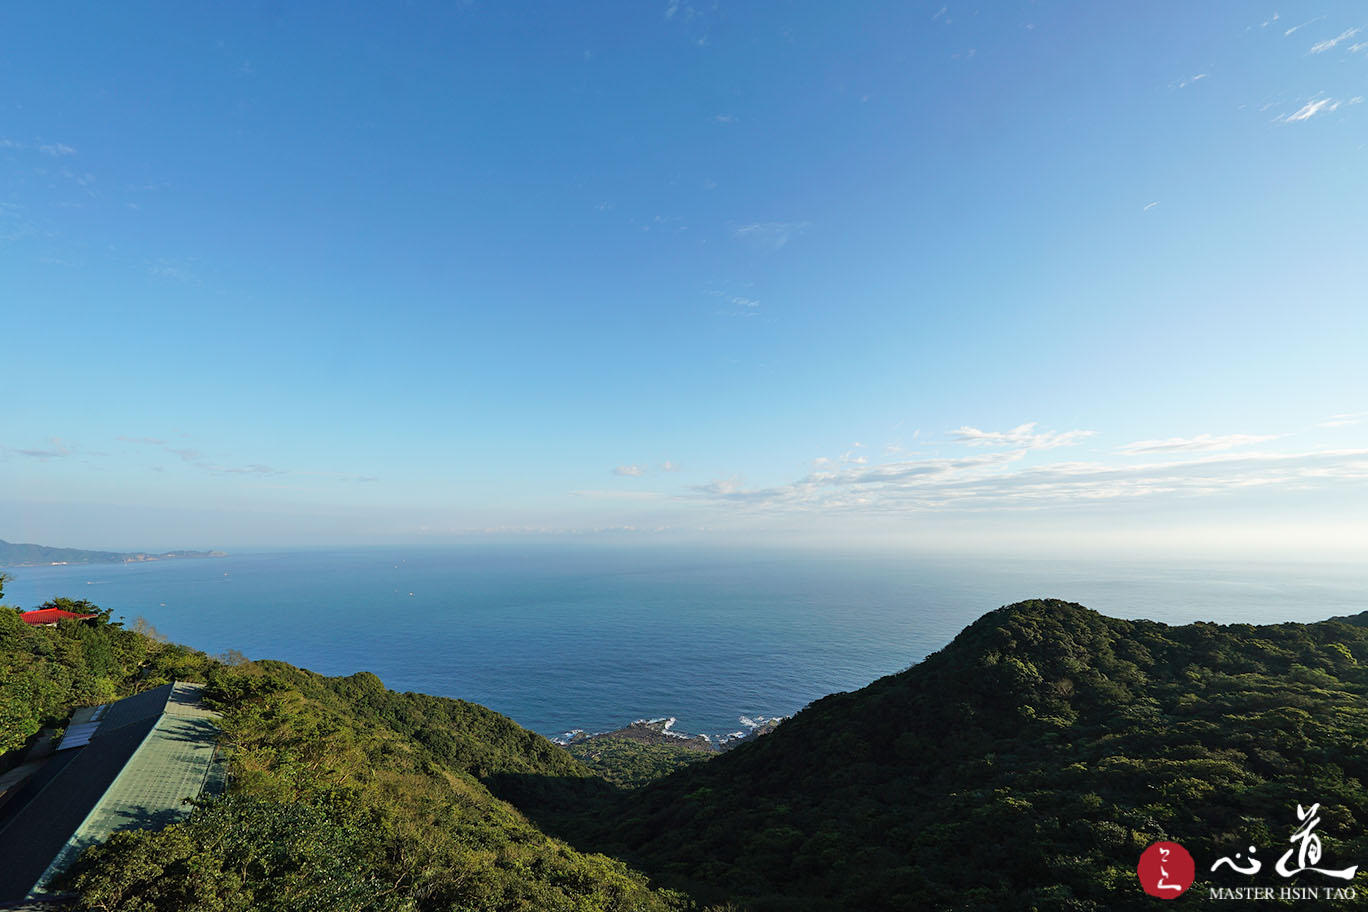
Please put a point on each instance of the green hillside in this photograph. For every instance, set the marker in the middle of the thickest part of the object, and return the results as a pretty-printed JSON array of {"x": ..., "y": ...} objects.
[
  {"x": 343, "y": 795},
  {"x": 1026, "y": 765},
  {"x": 346, "y": 796}
]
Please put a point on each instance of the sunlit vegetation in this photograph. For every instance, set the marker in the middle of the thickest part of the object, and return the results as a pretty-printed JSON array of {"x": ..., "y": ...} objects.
[
  {"x": 347, "y": 796},
  {"x": 343, "y": 795}
]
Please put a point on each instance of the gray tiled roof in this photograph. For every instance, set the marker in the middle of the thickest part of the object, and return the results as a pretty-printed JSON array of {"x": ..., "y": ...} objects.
[
  {"x": 41, "y": 828},
  {"x": 152, "y": 751},
  {"x": 146, "y": 705}
]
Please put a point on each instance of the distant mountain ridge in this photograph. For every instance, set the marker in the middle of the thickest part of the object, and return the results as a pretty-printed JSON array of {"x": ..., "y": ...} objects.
[{"x": 14, "y": 554}]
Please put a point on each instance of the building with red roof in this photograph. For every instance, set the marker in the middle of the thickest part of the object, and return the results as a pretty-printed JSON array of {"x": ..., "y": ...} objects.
[{"x": 48, "y": 617}]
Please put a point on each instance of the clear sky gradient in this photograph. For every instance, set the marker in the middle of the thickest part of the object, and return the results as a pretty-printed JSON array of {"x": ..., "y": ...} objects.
[{"x": 1050, "y": 276}]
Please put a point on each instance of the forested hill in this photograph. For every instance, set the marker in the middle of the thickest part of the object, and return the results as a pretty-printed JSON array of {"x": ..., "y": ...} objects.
[{"x": 1026, "y": 765}]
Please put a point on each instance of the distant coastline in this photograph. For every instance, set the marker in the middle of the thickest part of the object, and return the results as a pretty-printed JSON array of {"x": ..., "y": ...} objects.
[{"x": 14, "y": 554}]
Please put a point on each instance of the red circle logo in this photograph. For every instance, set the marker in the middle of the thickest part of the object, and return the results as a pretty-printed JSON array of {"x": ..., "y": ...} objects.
[{"x": 1165, "y": 870}]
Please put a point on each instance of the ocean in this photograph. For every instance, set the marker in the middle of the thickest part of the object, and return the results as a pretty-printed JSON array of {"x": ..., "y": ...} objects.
[{"x": 563, "y": 637}]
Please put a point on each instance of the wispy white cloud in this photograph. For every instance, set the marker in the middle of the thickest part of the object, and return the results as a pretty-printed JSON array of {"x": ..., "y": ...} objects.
[
  {"x": 728, "y": 488},
  {"x": 1191, "y": 79},
  {"x": 173, "y": 271},
  {"x": 676, "y": 7},
  {"x": 1323, "y": 46},
  {"x": 189, "y": 456},
  {"x": 55, "y": 149},
  {"x": 630, "y": 471},
  {"x": 1310, "y": 110},
  {"x": 993, "y": 482},
  {"x": 769, "y": 236},
  {"x": 197, "y": 460},
  {"x": 79, "y": 178},
  {"x": 861, "y": 479},
  {"x": 1345, "y": 419},
  {"x": 1202, "y": 443},
  {"x": 57, "y": 450},
  {"x": 668, "y": 466},
  {"x": 1297, "y": 28},
  {"x": 1149, "y": 206},
  {"x": 253, "y": 469},
  {"x": 1023, "y": 435},
  {"x": 849, "y": 457},
  {"x": 736, "y": 301}
]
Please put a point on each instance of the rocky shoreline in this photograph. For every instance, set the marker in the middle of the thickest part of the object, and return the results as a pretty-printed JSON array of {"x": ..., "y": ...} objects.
[{"x": 662, "y": 732}]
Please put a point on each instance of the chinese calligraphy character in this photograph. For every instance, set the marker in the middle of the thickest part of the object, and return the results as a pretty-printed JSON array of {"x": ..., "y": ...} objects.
[
  {"x": 1254, "y": 863},
  {"x": 1163, "y": 873},
  {"x": 1309, "y": 852}
]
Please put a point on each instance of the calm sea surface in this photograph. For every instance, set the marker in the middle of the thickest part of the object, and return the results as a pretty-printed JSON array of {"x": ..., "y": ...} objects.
[{"x": 565, "y": 637}]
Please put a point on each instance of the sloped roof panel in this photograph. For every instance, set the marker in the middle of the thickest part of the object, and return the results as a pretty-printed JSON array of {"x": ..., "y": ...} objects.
[
  {"x": 37, "y": 833},
  {"x": 146, "y": 705}
]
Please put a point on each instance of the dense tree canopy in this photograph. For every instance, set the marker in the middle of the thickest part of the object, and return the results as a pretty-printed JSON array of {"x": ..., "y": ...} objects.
[
  {"x": 1026, "y": 765},
  {"x": 631, "y": 763}
]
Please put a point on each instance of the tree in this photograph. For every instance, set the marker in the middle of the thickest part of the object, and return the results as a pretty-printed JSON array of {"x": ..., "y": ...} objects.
[{"x": 78, "y": 606}]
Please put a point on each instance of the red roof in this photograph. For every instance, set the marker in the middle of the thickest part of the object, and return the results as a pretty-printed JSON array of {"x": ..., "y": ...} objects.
[{"x": 52, "y": 616}]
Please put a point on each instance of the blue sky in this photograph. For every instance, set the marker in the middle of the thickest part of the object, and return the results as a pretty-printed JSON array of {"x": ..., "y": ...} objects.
[{"x": 1049, "y": 276}]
